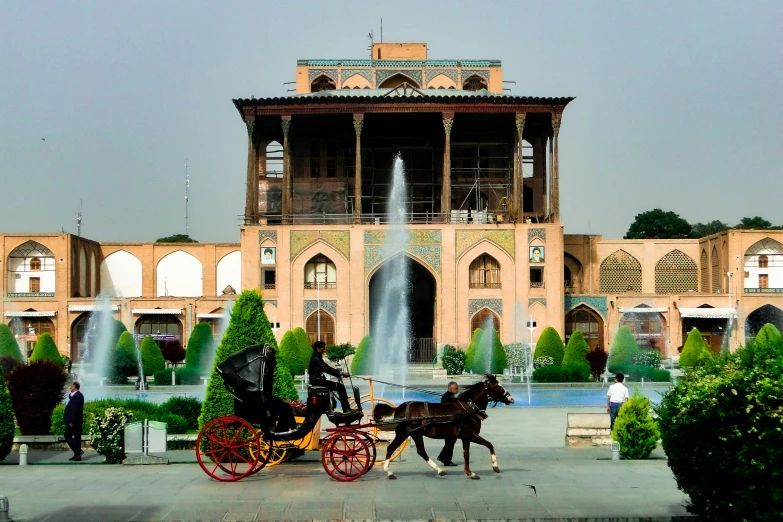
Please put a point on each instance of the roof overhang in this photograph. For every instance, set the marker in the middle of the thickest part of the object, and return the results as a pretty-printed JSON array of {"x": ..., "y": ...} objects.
[
  {"x": 30, "y": 314},
  {"x": 708, "y": 313},
  {"x": 92, "y": 308},
  {"x": 157, "y": 311},
  {"x": 643, "y": 310},
  {"x": 211, "y": 316}
]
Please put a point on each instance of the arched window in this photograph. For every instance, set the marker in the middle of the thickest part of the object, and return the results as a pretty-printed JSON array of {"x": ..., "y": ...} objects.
[
  {"x": 327, "y": 327},
  {"x": 620, "y": 272},
  {"x": 589, "y": 323},
  {"x": 715, "y": 270},
  {"x": 646, "y": 327},
  {"x": 396, "y": 80},
  {"x": 161, "y": 327},
  {"x": 763, "y": 262},
  {"x": 705, "y": 272},
  {"x": 274, "y": 160},
  {"x": 485, "y": 272},
  {"x": 483, "y": 319},
  {"x": 474, "y": 83},
  {"x": 322, "y": 271},
  {"x": 322, "y": 83},
  {"x": 35, "y": 264},
  {"x": 675, "y": 273}
]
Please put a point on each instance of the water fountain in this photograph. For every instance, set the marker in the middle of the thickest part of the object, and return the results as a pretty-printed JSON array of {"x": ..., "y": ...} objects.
[
  {"x": 99, "y": 338},
  {"x": 208, "y": 358}
]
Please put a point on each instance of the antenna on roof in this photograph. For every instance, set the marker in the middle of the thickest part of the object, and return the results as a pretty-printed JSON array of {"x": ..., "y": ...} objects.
[
  {"x": 381, "y": 30},
  {"x": 369, "y": 35},
  {"x": 79, "y": 220},
  {"x": 187, "y": 193}
]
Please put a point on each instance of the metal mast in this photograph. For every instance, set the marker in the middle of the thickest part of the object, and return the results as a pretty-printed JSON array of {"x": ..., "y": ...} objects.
[
  {"x": 187, "y": 191},
  {"x": 79, "y": 220}
]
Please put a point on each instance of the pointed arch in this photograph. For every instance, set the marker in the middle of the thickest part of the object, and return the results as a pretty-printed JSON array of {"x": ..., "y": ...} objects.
[
  {"x": 589, "y": 322},
  {"x": 322, "y": 83},
  {"x": 82, "y": 273},
  {"x": 229, "y": 272},
  {"x": 30, "y": 268},
  {"x": 397, "y": 79},
  {"x": 320, "y": 270},
  {"x": 704, "y": 266},
  {"x": 648, "y": 327},
  {"x": 121, "y": 275},
  {"x": 327, "y": 330},
  {"x": 356, "y": 81},
  {"x": 441, "y": 81},
  {"x": 676, "y": 273},
  {"x": 766, "y": 246},
  {"x": 716, "y": 275},
  {"x": 620, "y": 272},
  {"x": 572, "y": 273},
  {"x": 273, "y": 161},
  {"x": 485, "y": 272},
  {"x": 179, "y": 274},
  {"x": 759, "y": 317},
  {"x": 484, "y": 317},
  {"x": 474, "y": 82}
]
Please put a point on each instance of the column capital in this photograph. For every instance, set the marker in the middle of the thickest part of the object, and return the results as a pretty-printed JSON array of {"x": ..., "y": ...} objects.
[
  {"x": 358, "y": 123},
  {"x": 520, "y": 119},
  {"x": 250, "y": 126},
  {"x": 448, "y": 123},
  {"x": 556, "y": 123},
  {"x": 286, "y": 125}
]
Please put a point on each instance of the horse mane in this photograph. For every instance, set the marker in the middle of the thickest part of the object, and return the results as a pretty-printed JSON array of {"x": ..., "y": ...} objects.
[{"x": 469, "y": 390}]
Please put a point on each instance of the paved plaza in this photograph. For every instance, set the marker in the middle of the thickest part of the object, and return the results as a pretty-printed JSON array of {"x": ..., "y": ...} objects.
[{"x": 540, "y": 479}]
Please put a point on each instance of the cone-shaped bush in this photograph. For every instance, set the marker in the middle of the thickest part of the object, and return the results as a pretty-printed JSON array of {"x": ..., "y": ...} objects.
[
  {"x": 550, "y": 345},
  {"x": 624, "y": 349},
  {"x": 284, "y": 387},
  {"x": 289, "y": 354},
  {"x": 635, "y": 429},
  {"x": 248, "y": 325},
  {"x": 35, "y": 390},
  {"x": 151, "y": 358},
  {"x": 8, "y": 345},
  {"x": 118, "y": 328},
  {"x": 305, "y": 348},
  {"x": 198, "y": 345},
  {"x": 6, "y": 420},
  {"x": 577, "y": 349},
  {"x": 46, "y": 350},
  {"x": 362, "y": 363},
  {"x": 470, "y": 354},
  {"x": 767, "y": 334},
  {"x": 693, "y": 350},
  {"x": 124, "y": 360}
]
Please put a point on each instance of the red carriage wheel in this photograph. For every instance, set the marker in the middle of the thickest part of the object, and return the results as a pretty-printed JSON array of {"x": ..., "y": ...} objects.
[
  {"x": 370, "y": 442},
  {"x": 345, "y": 456},
  {"x": 227, "y": 449}
]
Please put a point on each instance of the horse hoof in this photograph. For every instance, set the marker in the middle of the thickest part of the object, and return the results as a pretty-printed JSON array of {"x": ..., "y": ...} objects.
[
  {"x": 442, "y": 473},
  {"x": 475, "y": 477},
  {"x": 496, "y": 469},
  {"x": 392, "y": 477}
]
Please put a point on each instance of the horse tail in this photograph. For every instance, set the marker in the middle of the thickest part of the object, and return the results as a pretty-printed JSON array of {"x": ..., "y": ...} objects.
[{"x": 383, "y": 411}]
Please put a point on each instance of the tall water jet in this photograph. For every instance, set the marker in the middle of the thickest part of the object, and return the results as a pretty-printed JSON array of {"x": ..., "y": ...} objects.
[
  {"x": 208, "y": 358},
  {"x": 391, "y": 320},
  {"x": 99, "y": 337}
]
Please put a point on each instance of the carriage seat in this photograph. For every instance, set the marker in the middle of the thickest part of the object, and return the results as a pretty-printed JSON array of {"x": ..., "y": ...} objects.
[{"x": 347, "y": 417}]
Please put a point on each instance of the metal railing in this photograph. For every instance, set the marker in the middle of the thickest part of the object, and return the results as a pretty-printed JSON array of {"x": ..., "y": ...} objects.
[
  {"x": 421, "y": 349},
  {"x": 764, "y": 290},
  {"x": 413, "y": 218},
  {"x": 322, "y": 284},
  {"x": 269, "y": 287},
  {"x": 484, "y": 285},
  {"x": 11, "y": 295}
]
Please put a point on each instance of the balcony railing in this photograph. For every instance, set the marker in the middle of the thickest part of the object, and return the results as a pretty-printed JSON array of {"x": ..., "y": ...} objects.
[
  {"x": 269, "y": 287},
  {"x": 322, "y": 285},
  {"x": 536, "y": 284},
  {"x": 423, "y": 218},
  {"x": 11, "y": 295},
  {"x": 485, "y": 285},
  {"x": 764, "y": 290}
]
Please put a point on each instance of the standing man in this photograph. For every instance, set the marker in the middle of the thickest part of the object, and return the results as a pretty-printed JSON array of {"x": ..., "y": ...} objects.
[
  {"x": 615, "y": 398},
  {"x": 318, "y": 368},
  {"x": 74, "y": 417},
  {"x": 447, "y": 453}
]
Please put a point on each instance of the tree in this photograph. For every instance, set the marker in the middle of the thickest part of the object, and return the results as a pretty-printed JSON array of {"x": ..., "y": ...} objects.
[
  {"x": 577, "y": 349},
  {"x": 124, "y": 362},
  {"x": 597, "y": 360},
  {"x": 753, "y": 223},
  {"x": 198, "y": 346},
  {"x": 767, "y": 334},
  {"x": 693, "y": 350},
  {"x": 176, "y": 238},
  {"x": 35, "y": 390},
  {"x": 6, "y": 420},
  {"x": 700, "y": 230},
  {"x": 305, "y": 348},
  {"x": 470, "y": 354},
  {"x": 8, "y": 345},
  {"x": 248, "y": 326},
  {"x": 362, "y": 363},
  {"x": 284, "y": 387},
  {"x": 550, "y": 345},
  {"x": 635, "y": 429},
  {"x": 46, "y": 350},
  {"x": 289, "y": 354},
  {"x": 658, "y": 224},
  {"x": 118, "y": 328},
  {"x": 151, "y": 358},
  {"x": 623, "y": 350}
]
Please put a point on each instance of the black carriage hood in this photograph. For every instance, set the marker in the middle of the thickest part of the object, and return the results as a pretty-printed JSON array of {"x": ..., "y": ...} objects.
[{"x": 249, "y": 370}]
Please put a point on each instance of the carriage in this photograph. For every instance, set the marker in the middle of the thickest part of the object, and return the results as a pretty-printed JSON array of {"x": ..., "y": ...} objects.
[{"x": 264, "y": 430}]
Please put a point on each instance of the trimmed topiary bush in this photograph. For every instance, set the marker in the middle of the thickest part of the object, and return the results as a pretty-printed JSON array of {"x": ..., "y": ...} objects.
[
  {"x": 163, "y": 377},
  {"x": 577, "y": 349},
  {"x": 284, "y": 387},
  {"x": 597, "y": 360},
  {"x": 172, "y": 351},
  {"x": 6, "y": 421},
  {"x": 577, "y": 372},
  {"x": 188, "y": 407},
  {"x": 362, "y": 363},
  {"x": 175, "y": 423},
  {"x": 470, "y": 354},
  {"x": 721, "y": 430},
  {"x": 188, "y": 376},
  {"x": 767, "y": 334},
  {"x": 8, "y": 345},
  {"x": 151, "y": 358},
  {"x": 550, "y": 345},
  {"x": 124, "y": 362},
  {"x": 46, "y": 350},
  {"x": 199, "y": 345},
  {"x": 36, "y": 389},
  {"x": 454, "y": 362},
  {"x": 635, "y": 429},
  {"x": 694, "y": 350},
  {"x": 624, "y": 349},
  {"x": 289, "y": 354},
  {"x": 550, "y": 373},
  {"x": 338, "y": 352},
  {"x": 248, "y": 326},
  {"x": 7, "y": 364},
  {"x": 305, "y": 347}
]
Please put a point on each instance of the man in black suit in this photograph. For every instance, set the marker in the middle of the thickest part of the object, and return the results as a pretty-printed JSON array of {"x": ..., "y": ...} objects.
[
  {"x": 447, "y": 452},
  {"x": 318, "y": 368},
  {"x": 74, "y": 417}
]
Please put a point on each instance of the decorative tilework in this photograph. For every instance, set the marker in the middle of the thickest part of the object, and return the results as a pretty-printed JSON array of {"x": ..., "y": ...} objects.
[
  {"x": 502, "y": 238},
  {"x": 314, "y": 73},
  {"x": 347, "y": 73},
  {"x": 339, "y": 239},
  {"x": 467, "y": 73},
  {"x": 597, "y": 302},
  {"x": 381, "y": 75},
  {"x": 327, "y": 306},
  {"x": 267, "y": 234},
  {"x": 533, "y": 233},
  {"x": 534, "y": 300},
  {"x": 273, "y": 303},
  {"x": 449, "y": 73},
  {"x": 415, "y": 237},
  {"x": 374, "y": 255},
  {"x": 474, "y": 305}
]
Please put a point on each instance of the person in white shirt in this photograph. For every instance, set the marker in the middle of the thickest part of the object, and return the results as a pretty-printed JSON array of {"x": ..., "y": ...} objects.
[{"x": 615, "y": 397}]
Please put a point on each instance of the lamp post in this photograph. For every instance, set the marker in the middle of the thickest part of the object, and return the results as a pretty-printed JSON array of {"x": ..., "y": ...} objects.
[
  {"x": 318, "y": 307},
  {"x": 531, "y": 325},
  {"x": 728, "y": 322}
]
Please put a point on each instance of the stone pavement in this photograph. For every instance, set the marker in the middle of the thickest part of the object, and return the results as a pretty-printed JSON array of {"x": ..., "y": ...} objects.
[{"x": 540, "y": 479}]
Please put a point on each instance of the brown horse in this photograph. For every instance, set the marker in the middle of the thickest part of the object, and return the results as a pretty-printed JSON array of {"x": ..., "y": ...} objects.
[{"x": 461, "y": 420}]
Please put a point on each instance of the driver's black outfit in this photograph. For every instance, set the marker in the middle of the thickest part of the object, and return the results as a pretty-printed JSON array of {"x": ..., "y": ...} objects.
[
  {"x": 317, "y": 370},
  {"x": 447, "y": 453}
]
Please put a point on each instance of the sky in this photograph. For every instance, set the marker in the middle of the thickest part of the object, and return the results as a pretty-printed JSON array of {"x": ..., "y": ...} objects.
[{"x": 678, "y": 104}]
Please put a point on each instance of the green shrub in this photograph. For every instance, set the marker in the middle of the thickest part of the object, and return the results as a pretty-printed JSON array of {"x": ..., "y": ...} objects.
[
  {"x": 248, "y": 326},
  {"x": 540, "y": 362},
  {"x": 176, "y": 424},
  {"x": 305, "y": 348},
  {"x": 199, "y": 345},
  {"x": 550, "y": 345},
  {"x": 577, "y": 349},
  {"x": 93, "y": 407},
  {"x": 454, "y": 362},
  {"x": 362, "y": 363},
  {"x": 659, "y": 375},
  {"x": 36, "y": 389},
  {"x": 551, "y": 373},
  {"x": 635, "y": 429},
  {"x": 470, "y": 355},
  {"x": 518, "y": 355},
  {"x": 624, "y": 349},
  {"x": 6, "y": 420},
  {"x": 151, "y": 359},
  {"x": 125, "y": 361},
  {"x": 46, "y": 350},
  {"x": 163, "y": 377},
  {"x": 107, "y": 433},
  {"x": 647, "y": 358},
  {"x": 284, "y": 387},
  {"x": 766, "y": 334},
  {"x": 8, "y": 345},
  {"x": 338, "y": 352},
  {"x": 721, "y": 430},
  {"x": 289, "y": 354},
  {"x": 188, "y": 407},
  {"x": 693, "y": 350},
  {"x": 7, "y": 364},
  {"x": 188, "y": 376},
  {"x": 577, "y": 372}
]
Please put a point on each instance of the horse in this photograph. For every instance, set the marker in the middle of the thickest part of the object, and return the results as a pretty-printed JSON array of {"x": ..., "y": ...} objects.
[{"x": 461, "y": 420}]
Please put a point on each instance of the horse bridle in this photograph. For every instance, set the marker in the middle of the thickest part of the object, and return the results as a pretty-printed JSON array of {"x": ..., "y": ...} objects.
[{"x": 489, "y": 386}]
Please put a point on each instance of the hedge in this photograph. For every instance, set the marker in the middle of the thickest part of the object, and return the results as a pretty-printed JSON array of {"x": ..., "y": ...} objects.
[
  {"x": 624, "y": 349},
  {"x": 248, "y": 326},
  {"x": 636, "y": 373},
  {"x": 454, "y": 362},
  {"x": 6, "y": 420},
  {"x": 124, "y": 362},
  {"x": 284, "y": 387},
  {"x": 8, "y": 345},
  {"x": 36, "y": 389},
  {"x": 199, "y": 345},
  {"x": 577, "y": 349},
  {"x": 188, "y": 407},
  {"x": 550, "y": 345},
  {"x": 635, "y": 429},
  {"x": 551, "y": 373},
  {"x": 289, "y": 354},
  {"x": 151, "y": 358},
  {"x": 362, "y": 363},
  {"x": 46, "y": 350},
  {"x": 577, "y": 372}
]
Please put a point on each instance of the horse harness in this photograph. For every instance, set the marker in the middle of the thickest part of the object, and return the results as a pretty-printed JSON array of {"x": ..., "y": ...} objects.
[{"x": 468, "y": 409}]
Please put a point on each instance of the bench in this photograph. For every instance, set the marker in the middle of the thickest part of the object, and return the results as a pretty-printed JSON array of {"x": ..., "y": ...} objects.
[{"x": 586, "y": 430}]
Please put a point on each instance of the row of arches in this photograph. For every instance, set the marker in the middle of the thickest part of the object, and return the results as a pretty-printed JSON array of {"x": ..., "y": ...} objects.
[{"x": 474, "y": 82}]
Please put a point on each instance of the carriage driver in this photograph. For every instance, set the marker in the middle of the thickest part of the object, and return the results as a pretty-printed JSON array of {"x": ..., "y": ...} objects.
[{"x": 317, "y": 370}]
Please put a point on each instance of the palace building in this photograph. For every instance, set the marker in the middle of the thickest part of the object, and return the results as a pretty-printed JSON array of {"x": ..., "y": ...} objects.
[{"x": 486, "y": 243}]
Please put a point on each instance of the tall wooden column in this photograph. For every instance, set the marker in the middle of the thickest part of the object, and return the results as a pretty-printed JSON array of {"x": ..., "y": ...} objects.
[
  {"x": 518, "y": 183},
  {"x": 555, "y": 169},
  {"x": 288, "y": 186},
  {"x": 358, "y": 123},
  {"x": 550, "y": 182},
  {"x": 251, "y": 189},
  {"x": 445, "y": 196}
]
